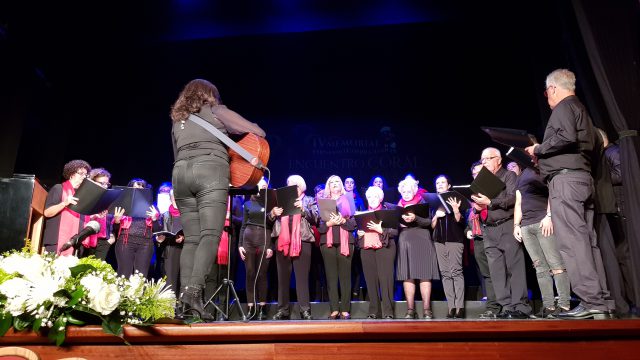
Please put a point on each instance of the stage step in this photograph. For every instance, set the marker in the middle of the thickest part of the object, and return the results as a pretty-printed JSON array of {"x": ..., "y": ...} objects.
[{"x": 360, "y": 309}]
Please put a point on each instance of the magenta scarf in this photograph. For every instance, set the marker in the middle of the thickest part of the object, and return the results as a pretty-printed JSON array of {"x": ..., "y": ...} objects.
[
  {"x": 289, "y": 241},
  {"x": 69, "y": 220},
  {"x": 345, "y": 210}
]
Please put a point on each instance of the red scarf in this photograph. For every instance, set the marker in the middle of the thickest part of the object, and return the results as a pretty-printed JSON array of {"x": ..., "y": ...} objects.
[
  {"x": 289, "y": 241},
  {"x": 223, "y": 245},
  {"x": 125, "y": 224},
  {"x": 416, "y": 199},
  {"x": 92, "y": 240},
  {"x": 345, "y": 210},
  {"x": 173, "y": 211},
  {"x": 372, "y": 238},
  {"x": 69, "y": 220}
]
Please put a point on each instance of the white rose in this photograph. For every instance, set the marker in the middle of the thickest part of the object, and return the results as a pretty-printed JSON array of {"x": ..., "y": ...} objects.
[{"x": 106, "y": 299}]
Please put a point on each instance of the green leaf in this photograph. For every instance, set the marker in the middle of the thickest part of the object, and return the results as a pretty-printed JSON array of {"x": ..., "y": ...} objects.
[
  {"x": 73, "y": 320},
  {"x": 113, "y": 326},
  {"x": 19, "y": 324},
  {"x": 37, "y": 324},
  {"x": 58, "y": 331},
  {"x": 81, "y": 268},
  {"x": 6, "y": 320},
  {"x": 76, "y": 296}
]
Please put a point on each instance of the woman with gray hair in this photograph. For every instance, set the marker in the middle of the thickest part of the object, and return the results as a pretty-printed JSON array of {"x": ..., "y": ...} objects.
[
  {"x": 416, "y": 252},
  {"x": 293, "y": 250},
  {"x": 378, "y": 251}
]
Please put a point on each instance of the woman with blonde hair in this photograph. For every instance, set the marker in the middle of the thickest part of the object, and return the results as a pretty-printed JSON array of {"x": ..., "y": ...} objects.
[{"x": 336, "y": 246}]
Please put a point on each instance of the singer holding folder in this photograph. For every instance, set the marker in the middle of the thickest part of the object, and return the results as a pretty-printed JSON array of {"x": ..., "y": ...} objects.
[
  {"x": 61, "y": 223},
  {"x": 201, "y": 181},
  {"x": 378, "y": 251},
  {"x": 448, "y": 237}
]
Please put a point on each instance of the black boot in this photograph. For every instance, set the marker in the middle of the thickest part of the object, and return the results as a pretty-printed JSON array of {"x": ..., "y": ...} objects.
[
  {"x": 192, "y": 298},
  {"x": 262, "y": 312}
]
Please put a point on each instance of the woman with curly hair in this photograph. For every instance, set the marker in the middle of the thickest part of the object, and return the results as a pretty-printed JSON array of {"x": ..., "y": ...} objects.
[
  {"x": 61, "y": 222},
  {"x": 201, "y": 181}
]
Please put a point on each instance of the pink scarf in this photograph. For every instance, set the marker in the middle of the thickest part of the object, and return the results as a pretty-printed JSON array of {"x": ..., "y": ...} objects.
[
  {"x": 92, "y": 240},
  {"x": 69, "y": 220},
  {"x": 125, "y": 224},
  {"x": 345, "y": 210},
  {"x": 173, "y": 211},
  {"x": 372, "y": 238},
  {"x": 416, "y": 199},
  {"x": 290, "y": 242}
]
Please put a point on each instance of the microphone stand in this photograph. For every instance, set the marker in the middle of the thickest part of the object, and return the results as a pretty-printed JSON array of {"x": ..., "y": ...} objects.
[{"x": 227, "y": 283}]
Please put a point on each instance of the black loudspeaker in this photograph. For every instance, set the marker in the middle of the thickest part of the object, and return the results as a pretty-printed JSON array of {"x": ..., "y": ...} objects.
[{"x": 21, "y": 212}]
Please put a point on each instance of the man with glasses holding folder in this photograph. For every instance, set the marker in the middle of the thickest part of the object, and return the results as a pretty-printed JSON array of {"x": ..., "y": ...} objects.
[{"x": 504, "y": 253}]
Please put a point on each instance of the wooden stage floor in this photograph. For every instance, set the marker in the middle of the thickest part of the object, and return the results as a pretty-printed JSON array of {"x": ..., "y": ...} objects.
[{"x": 351, "y": 339}]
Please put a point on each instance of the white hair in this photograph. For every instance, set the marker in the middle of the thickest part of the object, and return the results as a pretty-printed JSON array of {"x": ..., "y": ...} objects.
[
  {"x": 297, "y": 180},
  {"x": 374, "y": 191},
  {"x": 408, "y": 182},
  {"x": 562, "y": 78}
]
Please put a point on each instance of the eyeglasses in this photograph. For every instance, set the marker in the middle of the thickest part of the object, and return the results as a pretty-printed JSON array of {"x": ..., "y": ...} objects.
[
  {"x": 104, "y": 183},
  {"x": 485, "y": 159},
  {"x": 546, "y": 90},
  {"x": 82, "y": 173}
]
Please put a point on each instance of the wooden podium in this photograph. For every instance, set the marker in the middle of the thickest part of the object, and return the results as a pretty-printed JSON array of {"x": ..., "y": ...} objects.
[{"x": 21, "y": 212}]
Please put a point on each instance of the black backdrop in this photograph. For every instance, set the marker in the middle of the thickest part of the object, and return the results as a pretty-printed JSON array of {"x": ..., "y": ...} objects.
[{"x": 355, "y": 99}]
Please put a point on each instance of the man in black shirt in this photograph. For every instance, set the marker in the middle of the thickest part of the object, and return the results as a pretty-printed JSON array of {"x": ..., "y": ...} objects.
[
  {"x": 504, "y": 252},
  {"x": 564, "y": 159}
]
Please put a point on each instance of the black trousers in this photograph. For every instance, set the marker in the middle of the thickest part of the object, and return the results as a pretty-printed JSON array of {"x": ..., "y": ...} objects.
[
  {"x": 377, "y": 265},
  {"x": 256, "y": 278},
  {"x": 171, "y": 256},
  {"x": 134, "y": 255},
  {"x": 572, "y": 209},
  {"x": 506, "y": 267},
  {"x": 483, "y": 266},
  {"x": 201, "y": 187},
  {"x": 338, "y": 269},
  {"x": 301, "y": 265}
]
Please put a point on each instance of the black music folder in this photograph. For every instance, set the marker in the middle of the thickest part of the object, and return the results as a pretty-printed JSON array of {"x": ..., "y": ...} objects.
[
  {"x": 93, "y": 198},
  {"x": 486, "y": 183},
  {"x": 520, "y": 157},
  {"x": 510, "y": 137},
  {"x": 136, "y": 202},
  {"x": 327, "y": 207},
  {"x": 437, "y": 201},
  {"x": 389, "y": 217},
  {"x": 283, "y": 197},
  {"x": 420, "y": 210}
]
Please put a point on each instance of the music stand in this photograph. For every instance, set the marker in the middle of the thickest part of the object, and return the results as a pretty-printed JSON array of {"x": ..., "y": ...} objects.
[{"x": 227, "y": 283}]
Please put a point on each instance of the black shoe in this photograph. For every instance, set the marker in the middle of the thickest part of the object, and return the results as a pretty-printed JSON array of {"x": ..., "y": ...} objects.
[
  {"x": 192, "y": 297},
  {"x": 459, "y": 314},
  {"x": 280, "y": 316},
  {"x": 547, "y": 313},
  {"x": 262, "y": 312},
  {"x": 411, "y": 314},
  {"x": 504, "y": 314},
  {"x": 372, "y": 316},
  {"x": 489, "y": 314},
  {"x": 451, "y": 314},
  {"x": 306, "y": 315},
  {"x": 517, "y": 315},
  {"x": 580, "y": 312},
  {"x": 388, "y": 317}
]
